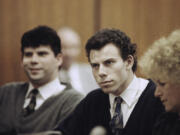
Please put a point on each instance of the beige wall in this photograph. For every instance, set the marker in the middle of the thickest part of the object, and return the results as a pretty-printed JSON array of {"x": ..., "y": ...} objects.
[{"x": 144, "y": 20}]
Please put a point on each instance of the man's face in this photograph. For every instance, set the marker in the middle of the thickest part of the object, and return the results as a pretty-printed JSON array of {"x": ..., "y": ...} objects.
[
  {"x": 169, "y": 95},
  {"x": 70, "y": 49},
  {"x": 110, "y": 71},
  {"x": 70, "y": 52},
  {"x": 40, "y": 64}
]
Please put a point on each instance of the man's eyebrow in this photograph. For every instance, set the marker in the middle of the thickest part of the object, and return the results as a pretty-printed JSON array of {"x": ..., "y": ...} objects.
[{"x": 110, "y": 59}]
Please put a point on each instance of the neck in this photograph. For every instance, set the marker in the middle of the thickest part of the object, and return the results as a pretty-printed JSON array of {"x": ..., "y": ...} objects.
[
  {"x": 126, "y": 84},
  {"x": 37, "y": 84}
]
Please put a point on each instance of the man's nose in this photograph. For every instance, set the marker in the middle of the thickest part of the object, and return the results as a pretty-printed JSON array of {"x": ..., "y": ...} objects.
[
  {"x": 157, "y": 92},
  {"x": 102, "y": 71},
  {"x": 34, "y": 58}
]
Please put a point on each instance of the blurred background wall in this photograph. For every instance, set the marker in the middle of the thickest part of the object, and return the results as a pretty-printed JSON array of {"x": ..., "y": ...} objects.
[{"x": 143, "y": 20}]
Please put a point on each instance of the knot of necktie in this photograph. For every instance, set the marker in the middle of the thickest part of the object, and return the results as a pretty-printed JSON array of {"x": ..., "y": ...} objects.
[
  {"x": 34, "y": 92},
  {"x": 118, "y": 100},
  {"x": 31, "y": 106}
]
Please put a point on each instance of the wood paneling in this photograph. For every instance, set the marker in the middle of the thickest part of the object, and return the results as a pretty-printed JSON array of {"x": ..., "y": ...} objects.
[{"x": 143, "y": 20}]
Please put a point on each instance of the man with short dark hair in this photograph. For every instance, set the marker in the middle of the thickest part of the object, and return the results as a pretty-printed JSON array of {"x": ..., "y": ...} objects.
[
  {"x": 43, "y": 102},
  {"x": 125, "y": 104}
]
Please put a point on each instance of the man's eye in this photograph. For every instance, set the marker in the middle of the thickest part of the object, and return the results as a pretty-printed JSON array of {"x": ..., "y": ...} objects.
[
  {"x": 108, "y": 62},
  {"x": 94, "y": 65},
  {"x": 42, "y": 53},
  {"x": 28, "y": 54}
]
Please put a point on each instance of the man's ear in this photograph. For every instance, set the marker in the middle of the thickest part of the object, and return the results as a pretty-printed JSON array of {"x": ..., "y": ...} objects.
[
  {"x": 129, "y": 62},
  {"x": 59, "y": 58}
]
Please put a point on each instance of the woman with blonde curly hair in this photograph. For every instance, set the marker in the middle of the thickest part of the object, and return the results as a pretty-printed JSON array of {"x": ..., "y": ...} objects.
[{"x": 162, "y": 64}]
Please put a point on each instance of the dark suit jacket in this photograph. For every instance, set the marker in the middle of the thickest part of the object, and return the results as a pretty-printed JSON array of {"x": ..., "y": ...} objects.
[{"x": 94, "y": 111}]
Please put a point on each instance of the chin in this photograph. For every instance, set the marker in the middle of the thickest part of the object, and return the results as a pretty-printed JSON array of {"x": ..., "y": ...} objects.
[
  {"x": 168, "y": 109},
  {"x": 35, "y": 79},
  {"x": 36, "y": 76},
  {"x": 107, "y": 91}
]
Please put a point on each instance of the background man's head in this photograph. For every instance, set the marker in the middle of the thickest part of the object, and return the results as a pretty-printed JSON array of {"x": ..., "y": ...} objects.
[
  {"x": 71, "y": 45},
  {"x": 41, "y": 55}
]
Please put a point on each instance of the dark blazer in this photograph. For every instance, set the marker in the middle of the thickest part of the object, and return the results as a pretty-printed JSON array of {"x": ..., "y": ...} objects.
[{"x": 94, "y": 110}]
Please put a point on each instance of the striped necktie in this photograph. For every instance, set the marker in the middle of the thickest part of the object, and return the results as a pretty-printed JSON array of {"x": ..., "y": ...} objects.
[
  {"x": 116, "y": 122},
  {"x": 31, "y": 107}
]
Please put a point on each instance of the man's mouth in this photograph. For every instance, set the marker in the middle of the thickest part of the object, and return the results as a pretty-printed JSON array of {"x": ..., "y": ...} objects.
[
  {"x": 105, "y": 83},
  {"x": 35, "y": 70}
]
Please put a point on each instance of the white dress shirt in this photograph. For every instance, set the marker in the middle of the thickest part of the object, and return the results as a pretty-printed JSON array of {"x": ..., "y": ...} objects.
[
  {"x": 50, "y": 89},
  {"x": 75, "y": 78},
  {"x": 130, "y": 97}
]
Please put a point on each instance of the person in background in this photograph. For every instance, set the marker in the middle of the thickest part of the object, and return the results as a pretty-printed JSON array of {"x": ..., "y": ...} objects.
[
  {"x": 125, "y": 104},
  {"x": 79, "y": 75},
  {"x": 161, "y": 62},
  {"x": 42, "y": 102}
]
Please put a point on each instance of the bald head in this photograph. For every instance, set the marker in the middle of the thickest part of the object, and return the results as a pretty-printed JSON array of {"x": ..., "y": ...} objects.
[{"x": 71, "y": 45}]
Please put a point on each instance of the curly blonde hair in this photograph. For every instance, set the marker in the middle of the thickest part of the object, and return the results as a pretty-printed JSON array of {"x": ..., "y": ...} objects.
[{"x": 162, "y": 59}]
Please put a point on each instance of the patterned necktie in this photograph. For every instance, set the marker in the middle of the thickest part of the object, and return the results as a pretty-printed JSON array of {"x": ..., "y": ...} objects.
[
  {"x": 31, "y": 107},
  {"x": 116, "y": 122}
]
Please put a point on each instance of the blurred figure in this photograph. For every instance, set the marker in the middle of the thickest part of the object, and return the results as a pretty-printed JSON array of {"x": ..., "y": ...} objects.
[
  {"x": 42, "y": 102},
  {"x": 71, "y": 46},
  {"x": 162, "y": 63},
  {"x": 79, "y": 75}
]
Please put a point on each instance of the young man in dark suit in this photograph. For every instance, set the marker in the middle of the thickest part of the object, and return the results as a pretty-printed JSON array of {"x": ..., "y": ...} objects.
[{"x": 125, "y": 104}]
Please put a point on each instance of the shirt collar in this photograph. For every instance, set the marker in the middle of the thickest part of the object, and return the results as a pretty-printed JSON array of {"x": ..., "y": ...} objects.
[
  {"x": 52, "y": 88},
  {"x": 129, "y": 94}
]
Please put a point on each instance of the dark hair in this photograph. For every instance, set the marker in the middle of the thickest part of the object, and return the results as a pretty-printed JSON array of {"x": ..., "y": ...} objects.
[
  {"x": 41, "y": 35},
  {"x": 118, "y": 38}
]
